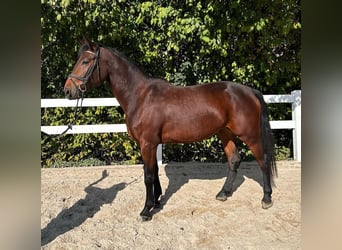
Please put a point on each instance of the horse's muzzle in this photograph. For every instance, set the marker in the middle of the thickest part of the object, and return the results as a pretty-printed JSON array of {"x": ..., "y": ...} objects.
[{"x": 71, "y": 94}]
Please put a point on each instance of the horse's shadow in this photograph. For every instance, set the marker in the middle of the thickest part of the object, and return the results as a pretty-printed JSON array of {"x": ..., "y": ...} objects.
[
  {"x": 180, "y": 174},
  {"x": 85, "y": 208}
]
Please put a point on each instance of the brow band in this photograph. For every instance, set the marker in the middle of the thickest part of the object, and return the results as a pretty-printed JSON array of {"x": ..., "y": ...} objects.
[{"x": 90, "y": 52}]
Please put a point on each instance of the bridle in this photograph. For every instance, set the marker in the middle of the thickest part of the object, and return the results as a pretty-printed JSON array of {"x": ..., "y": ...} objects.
[{"x": 83, "y": 86}]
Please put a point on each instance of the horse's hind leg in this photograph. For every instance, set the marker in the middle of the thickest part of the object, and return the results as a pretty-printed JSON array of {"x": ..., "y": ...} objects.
[
  {"x": 234, "y": 160},
  {"x": 257, "y": 151},
  {"x": 157, "y": 188}
]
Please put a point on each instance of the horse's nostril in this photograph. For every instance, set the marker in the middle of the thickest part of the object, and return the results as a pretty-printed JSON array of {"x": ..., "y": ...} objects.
[{"x": 67, "y": 92}]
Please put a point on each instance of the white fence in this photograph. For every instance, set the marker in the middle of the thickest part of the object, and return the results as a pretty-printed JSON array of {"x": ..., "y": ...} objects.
[{"x": 294, "y": 124}]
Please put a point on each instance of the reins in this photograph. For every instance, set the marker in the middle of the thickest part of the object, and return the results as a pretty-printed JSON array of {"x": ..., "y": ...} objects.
[{"x": 76, "y": 114}]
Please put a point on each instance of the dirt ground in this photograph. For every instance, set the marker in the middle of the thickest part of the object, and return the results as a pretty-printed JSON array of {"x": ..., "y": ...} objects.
[{"x": 81, "y": 209}]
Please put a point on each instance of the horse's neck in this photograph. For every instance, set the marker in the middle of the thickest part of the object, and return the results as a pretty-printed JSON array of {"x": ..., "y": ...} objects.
[{"x": 126, "y": 83}]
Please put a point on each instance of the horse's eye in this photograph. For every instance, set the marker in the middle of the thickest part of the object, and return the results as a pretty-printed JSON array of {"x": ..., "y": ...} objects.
[{"x": 86, "y": 61}]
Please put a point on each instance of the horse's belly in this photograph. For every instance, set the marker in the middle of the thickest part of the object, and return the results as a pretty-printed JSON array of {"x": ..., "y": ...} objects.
[{"x": 190, "y": 129}]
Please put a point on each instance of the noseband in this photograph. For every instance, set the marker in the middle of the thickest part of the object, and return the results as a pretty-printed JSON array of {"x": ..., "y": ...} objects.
[{"x": 83, "y": 86}]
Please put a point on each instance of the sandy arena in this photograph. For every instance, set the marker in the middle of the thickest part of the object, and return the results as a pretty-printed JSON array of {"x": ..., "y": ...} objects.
[{"x": 81, "y": 209}]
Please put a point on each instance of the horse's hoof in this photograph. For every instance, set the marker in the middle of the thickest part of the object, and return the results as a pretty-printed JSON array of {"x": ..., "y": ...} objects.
[
  {"x": 221, "y": 196},
  {"x": 146, "y": 217},
  {"x": 266, "y": 205}
]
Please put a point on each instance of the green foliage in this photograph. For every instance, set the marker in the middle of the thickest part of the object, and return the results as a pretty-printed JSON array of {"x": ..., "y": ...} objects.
[
  {"x": 282, "y": 153},
  {"x": 209, "y": 150},
  {"x": 86, "y": 162},
  {"x": 107, "y": 147},
  {"x": 256, "y": 43}
]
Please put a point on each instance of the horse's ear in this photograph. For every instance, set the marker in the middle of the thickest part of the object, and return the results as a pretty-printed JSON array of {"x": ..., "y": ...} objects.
[{"x": 90, "y": 44}]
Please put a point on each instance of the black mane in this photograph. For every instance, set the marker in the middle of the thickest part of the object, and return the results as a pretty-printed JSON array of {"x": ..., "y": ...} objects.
[
  {"x": 124, "y": 57},
  {"x": 85, "y": 47}
]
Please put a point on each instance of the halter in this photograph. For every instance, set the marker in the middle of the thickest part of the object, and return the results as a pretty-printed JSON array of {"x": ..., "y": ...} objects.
[{"x": 83, "y": 86}]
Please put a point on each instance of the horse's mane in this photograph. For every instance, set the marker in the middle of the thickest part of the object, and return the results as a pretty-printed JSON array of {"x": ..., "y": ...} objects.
[
  {"x": 135, "y": 67},
  {"x": 124, "y": 57}
]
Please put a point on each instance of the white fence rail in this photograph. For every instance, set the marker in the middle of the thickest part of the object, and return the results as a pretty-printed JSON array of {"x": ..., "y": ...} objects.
[{"x": 294, "y": 124}]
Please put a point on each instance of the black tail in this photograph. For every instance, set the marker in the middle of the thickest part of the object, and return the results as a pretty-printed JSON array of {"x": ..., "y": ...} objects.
[{"x": 266, "y": 137}]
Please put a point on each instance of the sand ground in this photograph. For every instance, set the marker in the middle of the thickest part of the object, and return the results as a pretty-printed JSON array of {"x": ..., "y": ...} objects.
[{"x": 82, "y": 210}]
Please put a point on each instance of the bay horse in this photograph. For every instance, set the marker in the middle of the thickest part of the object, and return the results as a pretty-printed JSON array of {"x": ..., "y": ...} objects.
[{"x": 157, "y": 112}]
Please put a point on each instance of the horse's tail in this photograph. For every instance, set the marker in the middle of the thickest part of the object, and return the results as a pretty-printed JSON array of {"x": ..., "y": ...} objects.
[{"x": 266, "y": 138}]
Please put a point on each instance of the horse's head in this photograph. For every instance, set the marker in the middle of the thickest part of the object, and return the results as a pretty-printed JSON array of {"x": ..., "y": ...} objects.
[{"x": 86, "y": 72}]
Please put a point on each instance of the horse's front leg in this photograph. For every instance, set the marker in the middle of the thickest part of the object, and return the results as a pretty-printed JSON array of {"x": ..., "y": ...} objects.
[
  {"x": 148, "y": 153},
  {"x": 149, "y": 203}
]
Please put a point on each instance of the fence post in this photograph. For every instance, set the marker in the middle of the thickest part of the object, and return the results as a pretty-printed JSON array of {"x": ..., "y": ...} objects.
[
  {"x": 297, "y": 132},
  {"x": 159, "y": 155}
]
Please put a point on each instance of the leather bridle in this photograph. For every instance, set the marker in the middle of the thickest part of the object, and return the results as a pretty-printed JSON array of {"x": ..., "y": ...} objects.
[{"x": 83, "y": 86}]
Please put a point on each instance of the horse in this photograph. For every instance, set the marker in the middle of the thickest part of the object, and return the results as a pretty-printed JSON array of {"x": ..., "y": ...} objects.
[{"x": 157, "y": 112}]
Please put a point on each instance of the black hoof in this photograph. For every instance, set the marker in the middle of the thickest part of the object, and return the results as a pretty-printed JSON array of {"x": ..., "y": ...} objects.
[
  {"x": 222, "y": 196},
  {"x": 146, "y": 214},
  {"x": 146, "y": 217},
  {"x": 266, "y": 205}
]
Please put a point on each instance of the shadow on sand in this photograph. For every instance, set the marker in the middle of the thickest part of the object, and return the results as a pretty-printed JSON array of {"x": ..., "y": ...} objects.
[
  {"x": 83, "y": 209},
  {"x": 180, "y": 174}
]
